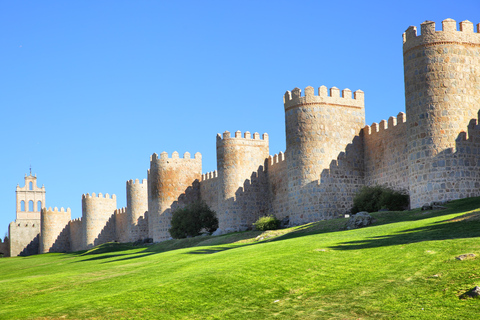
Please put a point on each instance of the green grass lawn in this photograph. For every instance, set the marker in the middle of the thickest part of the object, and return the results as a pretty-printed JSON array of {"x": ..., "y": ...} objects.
[{"x": 403, "y": 266}]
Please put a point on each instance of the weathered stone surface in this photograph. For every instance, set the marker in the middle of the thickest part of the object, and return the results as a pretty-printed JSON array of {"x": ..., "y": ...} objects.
[
  {"x": 359, "y": 220},
  {"x": 284, "y": 223},
  {"x": 465, "y": 256},
  {"x": 426, "y": 206},
  {"x": 472, "y": 293},
  {"x": 475, "y": 292},
  {"x": 218, "y": 232}
]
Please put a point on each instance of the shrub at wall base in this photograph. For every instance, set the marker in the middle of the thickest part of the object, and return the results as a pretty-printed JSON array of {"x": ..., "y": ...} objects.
[{"x": 192, "y": 219}]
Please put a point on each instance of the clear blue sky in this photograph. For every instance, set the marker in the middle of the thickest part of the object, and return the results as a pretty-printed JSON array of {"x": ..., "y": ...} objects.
[{"x": 90, "y": 89}]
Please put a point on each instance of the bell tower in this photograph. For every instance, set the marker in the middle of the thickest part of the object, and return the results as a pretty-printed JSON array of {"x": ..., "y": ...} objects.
[
  {"x": 24, "y": 232},
  {"x": 30, "y": 199}
]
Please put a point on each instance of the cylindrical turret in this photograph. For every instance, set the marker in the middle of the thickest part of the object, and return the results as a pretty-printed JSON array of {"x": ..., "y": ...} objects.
[
  {"x": 237, "y": 158},
  {"x": 442, "y": 94},
  {"x": 170, "y": 181},
  {"x": 97, "y": 218},
  {"x": 137, "y": 206},
  {"x": 318, "y": 128},
  {"x": 55, "y": 233}
]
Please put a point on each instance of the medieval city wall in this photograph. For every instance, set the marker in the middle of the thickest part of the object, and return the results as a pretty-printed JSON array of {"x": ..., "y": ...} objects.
[
  {"x": 330, "y": 154},
  {"x": 55, "y": 230},
  {"x": 209, "y": 187},
  {"x": 386, "y": 153},
  {"x": 338, "y": 184},
  {"x": 461, "y": 165},
  {"x": 76, "y": 235},
  {"x": 122, "y": 225},
  {"x": 278, "y": 185}
]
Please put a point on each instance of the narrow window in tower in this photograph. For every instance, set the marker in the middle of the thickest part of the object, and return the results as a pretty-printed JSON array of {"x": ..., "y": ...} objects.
[
  {"x": 30, "y": 206},
  {"x": 30, "y": 186},
  {"x": 22, "y": 205},
  {"x": 39, "y": 206}
]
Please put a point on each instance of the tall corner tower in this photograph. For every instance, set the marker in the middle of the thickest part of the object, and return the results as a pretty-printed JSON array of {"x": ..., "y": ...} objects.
[
  {"x": 170, "y": 181},
  {"x": 442, "y": 94},
  {"x": 318, "y": 128},
  {"x": 237, "y": 158},
  {"x": 24, "y": 231}
]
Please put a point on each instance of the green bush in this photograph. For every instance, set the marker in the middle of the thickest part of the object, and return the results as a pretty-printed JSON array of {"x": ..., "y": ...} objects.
[
  {"x": 192, "y": 219},
  {"x": 267, "y": 223},
  {"x": 374, "y": 198}
]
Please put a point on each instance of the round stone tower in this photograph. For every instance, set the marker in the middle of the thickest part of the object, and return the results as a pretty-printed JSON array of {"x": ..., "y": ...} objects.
[
  {"x": 55, "y": 232},
  {"x": 97, "y": 215},
  {"x": 237, "y": 158},
  {"x": 171, "y": 183},
  {"x": 137, "y": 206},
  {"x": 318, "y": 128},
  {"x": 442, "y": 94}
]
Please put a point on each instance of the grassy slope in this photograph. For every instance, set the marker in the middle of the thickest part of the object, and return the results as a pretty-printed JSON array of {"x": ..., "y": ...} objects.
[{"x": 403, "y": 266}]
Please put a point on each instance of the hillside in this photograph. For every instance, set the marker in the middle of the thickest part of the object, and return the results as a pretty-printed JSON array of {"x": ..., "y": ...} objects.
[{"x": 403, "y": 266}]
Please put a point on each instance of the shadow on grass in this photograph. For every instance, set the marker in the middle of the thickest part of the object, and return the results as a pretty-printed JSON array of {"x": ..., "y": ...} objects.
[
  {"x": 463, "y": 228},
  {"x": 103, "y": 257},
  {"x": 467, "y": 226}
]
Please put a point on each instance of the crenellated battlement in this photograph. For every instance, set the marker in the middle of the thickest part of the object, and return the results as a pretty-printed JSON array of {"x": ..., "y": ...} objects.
[
  {"x": 294, "y": 98},
  {"x": 448, "y": 34},
  {"x": 246, "y": 136},
  {"x": 384, "y": 125},
  {"x": 210, "y": 175},
  {"x": 121, "y": 211},
  {"x": 136, "y": 181},
  {"x": 175, "y": 155},
  {"x": 99, "y": 196},
  {"x": 77, "y": 220},
  {"x": 276, "y": 159},
  {"x": 55, "y": 210}
]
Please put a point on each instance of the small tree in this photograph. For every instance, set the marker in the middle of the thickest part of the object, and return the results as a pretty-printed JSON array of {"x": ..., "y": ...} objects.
[{"x": 192, "y": 219}]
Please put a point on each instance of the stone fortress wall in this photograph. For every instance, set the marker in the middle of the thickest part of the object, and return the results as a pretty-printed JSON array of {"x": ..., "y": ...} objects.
[
  {"x": 432, "y": 151},
  {"x": 386, "y": 153}
]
